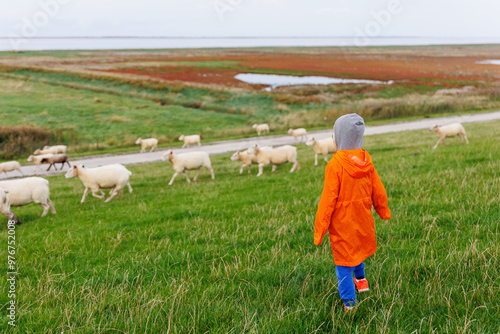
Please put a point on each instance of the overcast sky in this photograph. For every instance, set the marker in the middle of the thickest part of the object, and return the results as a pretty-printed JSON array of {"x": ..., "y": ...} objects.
[{"x": 193, "y": 18}]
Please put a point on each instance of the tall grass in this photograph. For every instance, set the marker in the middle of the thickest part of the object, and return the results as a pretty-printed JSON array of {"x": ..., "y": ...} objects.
[{"x": 236, "y": 255}]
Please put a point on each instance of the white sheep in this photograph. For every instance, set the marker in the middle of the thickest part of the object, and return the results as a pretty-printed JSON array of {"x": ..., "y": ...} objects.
[
  {"x": 149, "y": 142},
  {"x": 39, "y": 159},
  {"x": 277, "y": 156},
  {"x": 323, "y": 146},
  {"x": 261, "y": 128},
  {"x": 190, "y": 140},
  {"x": 29, "y": 190},
  {"x": 300, "y": 132},
  {"x": 188, "y": 161},
  {"x": 5, "y": 206},
  {"x": 114, "y": 177},
  {"x": 52, "y": 149},
  {"x": 247, "y": 157},
  {"x": 450, "y": 130},
  {"x": 9, "y": 166}
]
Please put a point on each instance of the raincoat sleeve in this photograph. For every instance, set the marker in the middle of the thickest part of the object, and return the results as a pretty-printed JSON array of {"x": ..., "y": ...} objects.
[
  {"x": 379, "y": 197},
  {"x": 326, "y": 204}
]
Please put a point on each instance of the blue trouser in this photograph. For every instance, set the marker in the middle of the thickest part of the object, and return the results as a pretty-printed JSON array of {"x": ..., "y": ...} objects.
[{"x": 346, "y": 284}]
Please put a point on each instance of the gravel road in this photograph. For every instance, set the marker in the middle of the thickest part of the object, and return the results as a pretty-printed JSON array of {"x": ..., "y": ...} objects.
[{"x": 226, "y": 146}]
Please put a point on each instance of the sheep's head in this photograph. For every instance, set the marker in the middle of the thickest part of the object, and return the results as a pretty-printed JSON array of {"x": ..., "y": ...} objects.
[
  {"x": 167, "y": 156},
  {"x": 72, "y": 172},
  {"x": 310, "y": 141},
  {"x": 181, "y": 137},
  {"x": 290, "y": 131},
  {"x": 254, "y": 126},
  {"x": 30, "y": 158},
  {"x": 138, "y": 141},
  {"x": 46, "y": 147},
  {"x": 235, "y": 156},
  {"x": 434, "y": 128},
  {"x": 36, "y": 152}
]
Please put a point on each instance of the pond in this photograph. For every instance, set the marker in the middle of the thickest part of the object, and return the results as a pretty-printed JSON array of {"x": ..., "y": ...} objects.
[
  {"x": 492, "y": 61},
  {"x": 275, "y": 80}
]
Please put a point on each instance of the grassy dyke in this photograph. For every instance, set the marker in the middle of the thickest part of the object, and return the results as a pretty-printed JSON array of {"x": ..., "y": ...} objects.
[
  {"x": 236, "y": 254},
  {"x": 94, "y": 114}
]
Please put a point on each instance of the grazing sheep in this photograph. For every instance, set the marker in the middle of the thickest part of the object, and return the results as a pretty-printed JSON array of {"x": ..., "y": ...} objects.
[
  {"x": 451, "y": 130},
  {"x": 57, "y": 158},
  {"x": 37, "y": 159},
  {"x": 189, "y": 161},
  {"x": 323, "y": 146},
  {"x": 190, "y": 140},
  {"x": 9, "y": 166},
  {"x": 29, "y": 190},
  {"x": 277, "y": 156},
  {"x": 247, "y": 157},
  {"x": 300, "y": 132},
  {"x": 261, "y": 128},
  {"x": 114, "y": 176},
  {"x": 52, "y": 149},
  {"x": 145, "y": 143},
  {"x": 5, "y": 206}
]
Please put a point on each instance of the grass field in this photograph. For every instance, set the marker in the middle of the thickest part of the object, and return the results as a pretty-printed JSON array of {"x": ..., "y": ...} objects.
[{"x": 236, "y": 255}]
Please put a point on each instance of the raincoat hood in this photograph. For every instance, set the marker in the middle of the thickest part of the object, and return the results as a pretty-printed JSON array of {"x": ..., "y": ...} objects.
[{"x": 356, "y": 163}]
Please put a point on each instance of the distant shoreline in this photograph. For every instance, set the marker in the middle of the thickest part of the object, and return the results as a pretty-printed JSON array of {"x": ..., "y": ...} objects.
[{"x": 18, "y": 43}]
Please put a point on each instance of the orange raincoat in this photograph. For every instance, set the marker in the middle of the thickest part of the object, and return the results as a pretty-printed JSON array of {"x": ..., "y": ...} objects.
[{"x": 352, "y": 185}]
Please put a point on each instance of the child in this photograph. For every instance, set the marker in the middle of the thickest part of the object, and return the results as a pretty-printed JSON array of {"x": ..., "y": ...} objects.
[{"x": 352, "y": 185}]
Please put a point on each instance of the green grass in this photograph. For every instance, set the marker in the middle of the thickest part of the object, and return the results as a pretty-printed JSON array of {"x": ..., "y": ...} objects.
[{"x": 236, "y": 254}]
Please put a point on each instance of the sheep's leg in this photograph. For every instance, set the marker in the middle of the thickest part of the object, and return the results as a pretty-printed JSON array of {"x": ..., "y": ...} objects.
[
  {"x": 113, "y": 194},
  {"x": 45, "y": 209},
  {"x": 466, "y": 140},
  {"x": 85, "y": 193},
  {"x": 187, "y": 178},
  {"x": 438, "y": 142},
  {"x": 129, "y": 187},
  {"x": 94, "y": 193},
  {"x": 295, "y": 165},
  {"x": 211, "y": 172},
  {"x": 241, "y": 169},
  {"x": 199, "y": 144},
  {"x": 325, "y": 157},
  {"x": 315, "y": 159},
  {"x": 120, "y": 193},
  {"x": 197, "y": 174},
  {"x": 274, "y": 168},
  {"x": 249, "y": 168},
  {"x": 183, "y": 146},
  {"x": 173, "y": 178},
  {"x": 20, "y": 171},
  {"x": 261, "y": 169},
  {"x": 51, "y": 206},
  {"x": 51, "y": 166}
]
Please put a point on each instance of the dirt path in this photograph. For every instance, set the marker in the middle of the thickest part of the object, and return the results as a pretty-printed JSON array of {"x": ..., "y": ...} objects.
[{"x": 241, "y": 144}]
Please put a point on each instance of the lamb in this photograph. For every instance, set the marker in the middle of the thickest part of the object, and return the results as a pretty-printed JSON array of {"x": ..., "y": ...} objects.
[
  {"x": 190, "y": 140},
  {"x": 37, "y": 159},
  {"x": 145, "y": 143},
  {"x": 52, "y": 149},
  {"x": 247, "y": 157},
  {"x": 5, "y": 206},
  {"x": 57, "y": 158},
  {"x": 450, "y": 130},
  {"x": 189, "y": 161},
  {"x": 323, "y": 146},
  {"x": 29, "y": 190},
  {"x": 261, "y": 128},
  {"x": 277, "y": 156},
  {"x": 9, "y": 166},
  {"x": 114, "y": 176},
  {"x": 300, "y": 132}
]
